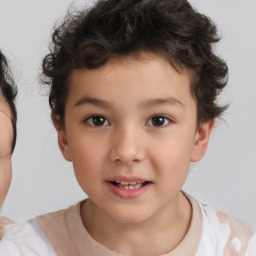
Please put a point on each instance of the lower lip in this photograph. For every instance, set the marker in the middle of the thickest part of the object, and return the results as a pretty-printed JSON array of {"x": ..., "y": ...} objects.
[{"x": 128, "y": 193}]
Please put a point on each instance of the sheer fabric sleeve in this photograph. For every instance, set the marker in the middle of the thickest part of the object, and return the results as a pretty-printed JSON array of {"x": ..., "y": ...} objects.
[
  {"x": 3, "y": 223},
  {"x": 25, "y": 239},
  {"x": 251, "y": 248}
]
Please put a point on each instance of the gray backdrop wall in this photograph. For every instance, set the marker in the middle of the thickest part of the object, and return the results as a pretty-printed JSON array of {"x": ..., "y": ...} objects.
[{"x": 43, "y": 181}]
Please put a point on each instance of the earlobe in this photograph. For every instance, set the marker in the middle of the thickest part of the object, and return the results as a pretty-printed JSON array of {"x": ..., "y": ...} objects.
[
  {"x": 62, "y": 138},
  {"x": 201, "y": 140}
]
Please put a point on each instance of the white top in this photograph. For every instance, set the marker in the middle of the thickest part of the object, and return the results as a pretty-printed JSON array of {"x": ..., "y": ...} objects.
[
  {"x": 211, "y": 233},
  {"x": 26, "y": 239}
]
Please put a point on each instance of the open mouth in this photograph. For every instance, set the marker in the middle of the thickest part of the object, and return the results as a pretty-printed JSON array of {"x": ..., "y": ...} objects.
[
  {"x": 130, "y": 184},
  {"x": 128, "y": 187}
]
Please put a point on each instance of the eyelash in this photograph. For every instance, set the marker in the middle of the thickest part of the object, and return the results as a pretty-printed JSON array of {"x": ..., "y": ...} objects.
[
  {"x": 89, "y": 121},
  {"x": 164, "y": 118}
]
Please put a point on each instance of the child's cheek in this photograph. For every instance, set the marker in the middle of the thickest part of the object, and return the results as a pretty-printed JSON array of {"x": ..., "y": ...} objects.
[
  {"x": 6, "y": 136},
  {"x": 171, "y": 160},
  {"x": 88, "y": 158}
]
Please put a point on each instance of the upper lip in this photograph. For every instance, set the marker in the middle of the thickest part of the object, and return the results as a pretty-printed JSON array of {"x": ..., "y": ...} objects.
[{"x": 126, "y": 178}]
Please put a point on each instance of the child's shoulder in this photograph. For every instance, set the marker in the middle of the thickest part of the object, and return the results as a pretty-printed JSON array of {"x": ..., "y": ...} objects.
[
  {"x": 65, "y": 230},
  {"x": 56, "y": 233},
  {"x": 62, "y": 232},
  {"x": 226, "y": 234},
  {"x": 25, "y": 239},
  {"x": 60, "y": 227},
  {"x": 43, "y": 235}
]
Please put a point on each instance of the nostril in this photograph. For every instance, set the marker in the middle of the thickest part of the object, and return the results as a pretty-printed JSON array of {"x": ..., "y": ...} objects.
[{"x": 127, "y": 155}]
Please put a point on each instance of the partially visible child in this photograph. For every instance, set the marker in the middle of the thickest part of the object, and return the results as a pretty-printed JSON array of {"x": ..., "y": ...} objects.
[
  {"x": 133, "y": 88},
  {"x": 7, "y": 132}
]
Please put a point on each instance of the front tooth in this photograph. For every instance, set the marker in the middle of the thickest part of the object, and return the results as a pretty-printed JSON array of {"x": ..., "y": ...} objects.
[
  {"x": 124, "y": 182},
  {"x": 132, "y": 183}
]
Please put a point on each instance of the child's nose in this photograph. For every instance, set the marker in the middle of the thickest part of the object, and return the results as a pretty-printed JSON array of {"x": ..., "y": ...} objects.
[{"x": 127, "y": 146}]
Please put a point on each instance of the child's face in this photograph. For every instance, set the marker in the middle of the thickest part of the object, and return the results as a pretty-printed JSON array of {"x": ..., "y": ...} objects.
[
  {"x": 6, "y": 137},
  {"x": 132, "y": 120}
]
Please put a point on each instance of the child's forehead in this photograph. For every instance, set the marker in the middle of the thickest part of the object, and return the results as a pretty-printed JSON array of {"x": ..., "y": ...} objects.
[
  {"x": 137, "y": 79},
  {"x": 146, "y": 64},
  {"x": 134, "y": 60}
]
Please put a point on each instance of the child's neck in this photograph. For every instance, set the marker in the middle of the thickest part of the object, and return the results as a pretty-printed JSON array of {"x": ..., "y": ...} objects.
[{"x": 158, "y": 235}]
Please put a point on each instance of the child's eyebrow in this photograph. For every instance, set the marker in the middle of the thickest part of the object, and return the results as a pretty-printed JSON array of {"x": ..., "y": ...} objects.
[
  {"x": 161, "y": 101},
  {"x": 145, "y": 104},
  {"x": 94, "y": 101}
]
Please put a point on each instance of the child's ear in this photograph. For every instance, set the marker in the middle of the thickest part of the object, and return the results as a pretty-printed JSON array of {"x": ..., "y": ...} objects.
[
  {"x": 62, "y": 138},
  {"x": 202, "y": 137}
]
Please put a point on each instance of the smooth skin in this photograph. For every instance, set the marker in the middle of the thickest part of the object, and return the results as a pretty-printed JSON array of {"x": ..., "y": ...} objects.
[
  {"x": 134, "y": 117},
  {"x": 6, "y": 137}
]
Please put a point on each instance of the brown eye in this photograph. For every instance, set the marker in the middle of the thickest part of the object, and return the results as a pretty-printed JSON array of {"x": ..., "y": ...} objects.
[
  {"x": 97, "y": 121},
  {"x": 159, "y": 121}
]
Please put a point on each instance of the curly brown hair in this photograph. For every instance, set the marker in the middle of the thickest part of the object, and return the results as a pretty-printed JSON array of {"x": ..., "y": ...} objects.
[{"x": 111, "y": 29}]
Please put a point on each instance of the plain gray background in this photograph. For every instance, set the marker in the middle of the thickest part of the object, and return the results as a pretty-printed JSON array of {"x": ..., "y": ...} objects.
[{"x": 43, "y": 181}]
